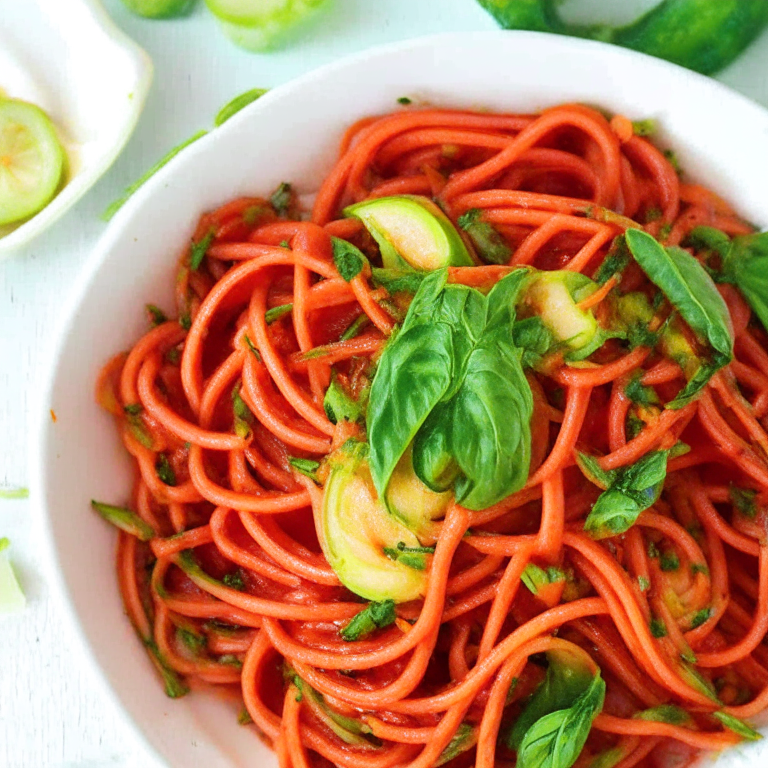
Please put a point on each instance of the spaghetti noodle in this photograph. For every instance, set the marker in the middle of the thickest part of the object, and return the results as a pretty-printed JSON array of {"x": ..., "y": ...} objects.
[{"x": 222, "y": 410}]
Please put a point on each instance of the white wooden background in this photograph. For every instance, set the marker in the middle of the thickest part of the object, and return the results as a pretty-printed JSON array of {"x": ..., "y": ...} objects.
[{"x": 51, "y": 713}]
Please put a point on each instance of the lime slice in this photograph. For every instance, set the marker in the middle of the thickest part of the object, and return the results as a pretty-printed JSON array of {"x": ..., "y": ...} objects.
[{"x": 31, "y": 160}]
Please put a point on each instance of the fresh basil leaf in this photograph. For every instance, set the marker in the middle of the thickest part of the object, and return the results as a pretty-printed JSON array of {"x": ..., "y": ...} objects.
[
  {"x": 698, "y": 381},
  {"x": 746, "y": 265},
  {"x": 640, "y": 394},
  {"x": 634, "y": 489},
  {"x": 535, "y": 578},
  {"x": 591, "y": 469},
  {"x": 348, "y": 259},
  {"x": 456, "y": 343},
  {"x": 374, "y": 616},
  {"x": 491, "y": 430},
  {"x": 565, "y": 681},
  {"x": 556, "y": 740},
  {"x": 689, "y": 289},
  {"x": 433, "y": 461},
  {"x": 710, "y": 239},
  {"x": 665, "y": 713},
  {"x": 732, "y": 723},
  {"x": 414, "y": 373}
]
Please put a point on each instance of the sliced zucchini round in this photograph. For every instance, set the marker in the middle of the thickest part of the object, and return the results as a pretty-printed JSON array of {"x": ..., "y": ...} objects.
[
  {"x": 361, "y": 540},
  {"x": 412, "y": 233}
]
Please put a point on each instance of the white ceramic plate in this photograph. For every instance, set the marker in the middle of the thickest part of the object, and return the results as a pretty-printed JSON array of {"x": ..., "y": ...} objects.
[
  {"x": 68, "y": 57},
  {"x": 291, "y": 134}
]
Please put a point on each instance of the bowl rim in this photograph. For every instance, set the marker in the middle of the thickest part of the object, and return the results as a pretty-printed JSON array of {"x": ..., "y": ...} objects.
[
  {"x": 81, "y": 182},
  {"x": 41, "y": 420}
]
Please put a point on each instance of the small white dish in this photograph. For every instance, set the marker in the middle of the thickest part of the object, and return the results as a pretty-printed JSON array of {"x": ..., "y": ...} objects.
[
  {"x": 70, "y": 59},
  {"x": 291, "y": 134}
]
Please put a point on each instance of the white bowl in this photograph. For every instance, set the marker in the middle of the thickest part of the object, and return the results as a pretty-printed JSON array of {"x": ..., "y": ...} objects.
[
  {"x": 291, "y": 134},
  {"x": 72, "y": 61}
]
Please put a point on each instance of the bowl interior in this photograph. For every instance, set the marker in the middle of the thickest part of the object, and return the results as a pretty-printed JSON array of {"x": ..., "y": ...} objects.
[{"x": 291, "y": 134}]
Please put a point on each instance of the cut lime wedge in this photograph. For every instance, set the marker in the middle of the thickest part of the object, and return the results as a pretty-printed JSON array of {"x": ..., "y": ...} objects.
[{"x": 31, "y": 160}]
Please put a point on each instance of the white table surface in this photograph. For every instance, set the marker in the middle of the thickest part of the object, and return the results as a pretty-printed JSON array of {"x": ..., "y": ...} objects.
[{"x": 52, "y": 714}]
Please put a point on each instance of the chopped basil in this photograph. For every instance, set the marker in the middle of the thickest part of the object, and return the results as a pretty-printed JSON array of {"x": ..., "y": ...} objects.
[
  {"x": 658, "y": 627},
  {"x": 164, "y": 470},
  {"x": 348, "y": 259},
  {"x": 306, "y": 467},
  {"x": 732, "y": 723},
  {"x": 124, "y": 519},
  {"x": 156, "y": 315},
  {"x": 235, "y": 580},
  {"x": 277, "y": 312},
  {"x": 374, "y": 616},
  {"x": 669, "y": 561},
  {"x": 199, "y": 249},
  {"x": 700, "y": 617},
  {"x": 282, "y": 199},
  {"x": 355, "y": 327}
]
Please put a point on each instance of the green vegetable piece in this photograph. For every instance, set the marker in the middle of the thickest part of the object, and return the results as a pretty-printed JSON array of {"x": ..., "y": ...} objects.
[
  {"x": 374, "y": 616},
  {"x": 643, "y": 583},
  {"x": 489, "y": 244},
  {"x": 261, "y": 25},
  {"x": 282, "y": 199},
  {"x": 567, "y": 678},
  {"x": 465, "y": 738},
  {"x": 631, "y": 490},
  {"x": 243, "y": 417},
  {"x": 123, "y": 199},
  {"x": 553, "y": 296},
  {"x": 700, "y": 617},
  {"x": 412, "y": 501},
  {"x": 14, "y": 493},
  {"x": 355, "y": 328},
  {"x": 556, "y": 740},
  {"x": 698, "y": 682},
  {"x": 12, "y": 598},
  {"x": 306, "y": 467},
  {"x": 231, "y": 108},
  {"x": 432, "y": 457},
  {"x": 640, "y": 394},
  {"x": 669, "y": 561},
  {"x": 534, "y": 338},
  {"x": 404, "y": 100},
  {"x": 199, "y": 249},
  {"x": 665, "y": 713},
  {"x": 234, "y": 580},
  {"x": 710, "y": 239},
  {"x": 614, "y": 263},
  {"x": 244, "y": 717},
  {"x": 159, "y": 9},
  {"x": 252, "y": 347},
  {"x": 357, "y": 528},
  {"x": 277, "y": 312},
  {"x": 644, "y": 127},
  {"x": 32, "y": 160},
  {"x": 193, "y": 640},
  {"x": 703, "y": 35},
  {"x": 339, "y": 406},
  {"x": 743, "y": 729},
  {"x": 165, "y": 470},
  {"x": 175, "y": 687},
  {"x": 412, "y": 233},
  {"x": 348, "y": 259},
  {"x": 156, "y": 315},
  {"x": 658, "y": 627},
  {"x": 124, "y": 519},
  {"x": 397, "y": 281},
  {"x": 455, "y": 349},
  {"x": 746, "y": 266},
  {"x": 535, "y": 577},
  {"x": 744, "y": 500},
  {"x": 691, "y": 291}
]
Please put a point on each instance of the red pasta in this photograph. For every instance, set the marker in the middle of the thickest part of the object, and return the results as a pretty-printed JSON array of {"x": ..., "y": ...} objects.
[{"x": 221, "y": 406}]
